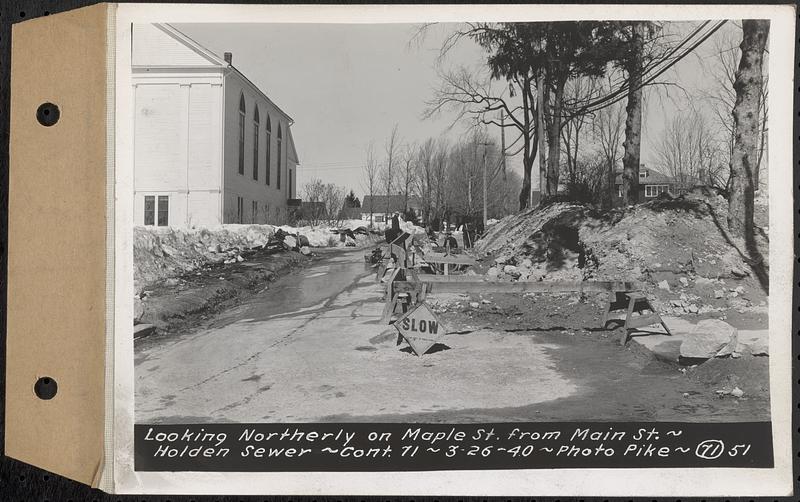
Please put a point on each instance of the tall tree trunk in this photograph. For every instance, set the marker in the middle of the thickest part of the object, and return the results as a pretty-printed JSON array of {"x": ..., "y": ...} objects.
[
  {"x": 529, "y": 150},
  {"x": 541, "y": 110},
  {"x": 745, "y": 118},
  {"x": 633, "y": 121},
  {"x": 553, "y": 139},
  {"x": 527, "y": 166}
]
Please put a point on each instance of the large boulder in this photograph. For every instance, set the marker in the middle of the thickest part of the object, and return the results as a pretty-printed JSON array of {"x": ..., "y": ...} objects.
[
  {"x": 710, "y": 338},
  {"x": 512, "y": 270}
]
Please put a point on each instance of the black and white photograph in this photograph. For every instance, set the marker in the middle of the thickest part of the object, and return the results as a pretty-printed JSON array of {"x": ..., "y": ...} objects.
[
  {"x": 395, "y": 225},
  {"x": 421, "y": 223}
]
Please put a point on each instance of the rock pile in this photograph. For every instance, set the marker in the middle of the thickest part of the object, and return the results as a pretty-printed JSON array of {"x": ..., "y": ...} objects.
[
  {"x": 679, "y": 247},
  {"x": 710, "y": 338}
]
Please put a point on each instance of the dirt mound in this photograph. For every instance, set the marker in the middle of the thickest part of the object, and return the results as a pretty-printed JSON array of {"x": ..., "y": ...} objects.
[
  {"x": 750, "y": 374},
  {"x": 664, "y": 238}
]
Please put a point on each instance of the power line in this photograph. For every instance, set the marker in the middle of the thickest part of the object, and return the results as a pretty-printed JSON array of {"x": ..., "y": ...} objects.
[
  {"x": 623, "y": 82},
  {"x": 621, "y": 93}
]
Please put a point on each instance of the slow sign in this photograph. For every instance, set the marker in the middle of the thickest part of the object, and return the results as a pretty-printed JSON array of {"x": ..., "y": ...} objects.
[{"x": 421, "y": 328}]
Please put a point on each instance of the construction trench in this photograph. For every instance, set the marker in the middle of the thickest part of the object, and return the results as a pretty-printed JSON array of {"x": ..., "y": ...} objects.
[{"x": 525, "y": 340}]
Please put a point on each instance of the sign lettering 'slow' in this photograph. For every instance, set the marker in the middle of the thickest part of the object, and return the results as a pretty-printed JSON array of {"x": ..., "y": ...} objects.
[{"x": 421, "y": 328}]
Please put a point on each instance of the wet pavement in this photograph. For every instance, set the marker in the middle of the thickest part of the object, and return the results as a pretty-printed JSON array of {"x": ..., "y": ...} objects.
[{"x": 311, "y": 348}]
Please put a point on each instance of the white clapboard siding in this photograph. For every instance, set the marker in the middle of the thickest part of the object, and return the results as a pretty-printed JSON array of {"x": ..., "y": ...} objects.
[
  {"x": 205, "y": 138},
  {"x": 160, "y": 137}
]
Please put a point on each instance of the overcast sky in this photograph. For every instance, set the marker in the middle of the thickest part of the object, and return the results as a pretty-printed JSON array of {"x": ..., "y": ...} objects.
[{"x": 348, "y": 84}]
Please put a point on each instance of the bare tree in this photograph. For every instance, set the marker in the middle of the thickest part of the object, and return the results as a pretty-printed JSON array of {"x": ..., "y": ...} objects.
[
  {"x": 577, "y": 91},
  {"x": 388, "y": 173},
  {"x": 333, "y": 198},
  {"x": 408, "y": 173},
  {"x": 465, "y": 175},
  {"x": 369, "y": 183},
  {"x": 464, "y": 195},
  {"x": 687, "y": 149},
  {"x": 749, "y": 79},
  {"x": 607, "y": 128},
  {"x": 313, "y": 193},
  {"x": 425, "y": 178},
  {"x": 440, "y": 177},
  {"x": 722, "y": 97},
  {"x": 472, "y": 95}
]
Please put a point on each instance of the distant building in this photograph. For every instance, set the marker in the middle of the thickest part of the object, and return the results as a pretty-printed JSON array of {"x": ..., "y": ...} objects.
[
  {"x": 382, "y": 207},
  {"x": 209, "y": 146},
  {"x": 653, "y": 183},
  {"x": 351, "y": 213}
]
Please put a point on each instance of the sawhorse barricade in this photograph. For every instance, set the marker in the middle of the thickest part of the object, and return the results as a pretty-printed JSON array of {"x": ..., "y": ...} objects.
[{"x": 633, "y": 302}]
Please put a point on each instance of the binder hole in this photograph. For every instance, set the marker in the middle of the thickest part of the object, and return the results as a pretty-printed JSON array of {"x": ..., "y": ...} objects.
[
  {"x": 48, "y": 114},
  {"x": 45, "y": 388}
]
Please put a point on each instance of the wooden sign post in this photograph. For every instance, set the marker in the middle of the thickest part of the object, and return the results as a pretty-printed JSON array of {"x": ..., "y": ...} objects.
[{"x": 420, "y": 328}]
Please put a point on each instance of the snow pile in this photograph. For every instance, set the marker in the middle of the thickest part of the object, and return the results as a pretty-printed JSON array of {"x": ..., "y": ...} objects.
[
  {"x": 331, "y": 236},
  {"x": 317, "y": 236},
  {"x": 410, "y": 228},
  {"x": 161, "y": 252}
]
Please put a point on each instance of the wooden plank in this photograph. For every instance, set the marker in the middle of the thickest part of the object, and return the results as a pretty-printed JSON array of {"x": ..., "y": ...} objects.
[
  {"x": 454, "y": 259},
  {"x": 642, "y": 321},
  {"x": 466, "y": 283}
]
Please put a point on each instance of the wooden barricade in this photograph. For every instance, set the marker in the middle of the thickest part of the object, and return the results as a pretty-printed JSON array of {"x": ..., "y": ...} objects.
[
  {"x": 436, "y": 259},
  {"x": 406, "y": 288},
  {"x": 633, "y": 302}
]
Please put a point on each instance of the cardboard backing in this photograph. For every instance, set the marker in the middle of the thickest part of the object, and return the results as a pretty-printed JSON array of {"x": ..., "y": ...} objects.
[{"x": 57, "y": 243}]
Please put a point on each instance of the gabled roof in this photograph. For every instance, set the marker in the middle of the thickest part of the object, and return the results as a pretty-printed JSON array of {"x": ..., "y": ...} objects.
[
  {"x": 292, "y": 152},
  {"x": 168, "y": 47},
  {"x": 191, "y": 54},
  {"x": 258, "y": 90}
]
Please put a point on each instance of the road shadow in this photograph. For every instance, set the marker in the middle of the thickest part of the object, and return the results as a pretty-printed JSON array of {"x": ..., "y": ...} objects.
[{"x": 436, "y": 347}]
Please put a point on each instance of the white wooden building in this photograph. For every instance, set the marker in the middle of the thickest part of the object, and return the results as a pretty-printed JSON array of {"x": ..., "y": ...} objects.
[{"x": 209, "y": 146}]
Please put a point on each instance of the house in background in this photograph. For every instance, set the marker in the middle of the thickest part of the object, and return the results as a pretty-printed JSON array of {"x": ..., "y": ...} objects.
[
  {"x": 209, "y": 146},
  {"x": 351, "y": 213},
  {"x": 653, "y": 183},
  {"x": 383, "y": 207}
]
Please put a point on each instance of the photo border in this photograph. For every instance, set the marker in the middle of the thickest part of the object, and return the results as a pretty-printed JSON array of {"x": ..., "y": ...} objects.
[{"x": 650, "y": 482}]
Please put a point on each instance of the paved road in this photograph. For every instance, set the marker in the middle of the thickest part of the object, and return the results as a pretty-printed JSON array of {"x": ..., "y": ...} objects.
[{"x": 311, "y": 348}]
